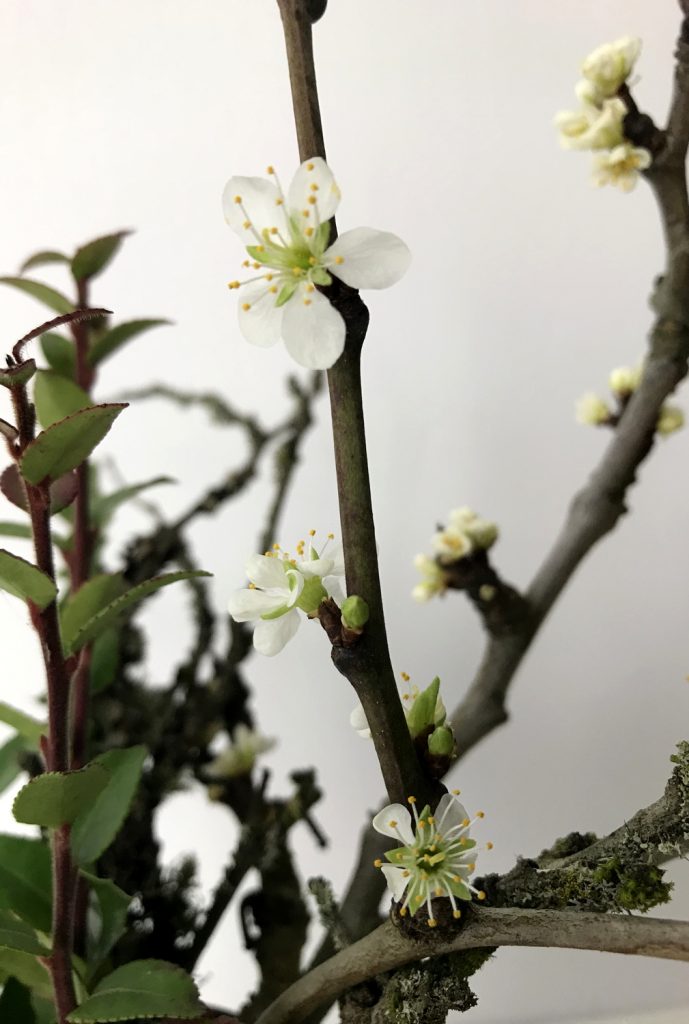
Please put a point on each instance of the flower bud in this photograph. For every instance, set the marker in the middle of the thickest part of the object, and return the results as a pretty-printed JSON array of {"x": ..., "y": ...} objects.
[
  {"x": 427, "y": 710},
  {"x": 441, "y": 742},
  {"x": 609, "y": 66},
  {"x": 671, "y": 419},
  {"x": 355, "y": 612},
  {"x": 483, "y": 533},
  {"x": 592, "y": 410},
  {"x": 624, "y": 380}
]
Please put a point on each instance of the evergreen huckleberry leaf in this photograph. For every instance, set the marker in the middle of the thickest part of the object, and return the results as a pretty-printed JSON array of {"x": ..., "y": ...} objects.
[
  {"x": 44, "y": 293},
  {"x": 96, "y": 827},
  {"x": 22, "y": 579},
  {"x": 92, "y": 259},
  {"x": 107, "y": 343},
  {"x": 67, "y": 443},
  {"x": 27, "y": 969},
  {"x": 28, "y": 727},
  {"x": 141, "y": 990},
  {"x": 90, "y": 598},
  {"x": 55, "y": 397},
  {"x": 26, "y": 880},
  {"x": 19, "y": 936},
  {"x": 21, "y": 530},
  {"x": 112, "y": 905},
  {"x": 58, "y": 798},
  {"x": 59, "y": 353},
  {"x": 105, "y": 659},
  {"x": 103, "y": 619}
]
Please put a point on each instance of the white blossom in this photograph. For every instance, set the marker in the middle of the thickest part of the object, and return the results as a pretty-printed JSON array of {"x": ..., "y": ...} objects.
[
  {"x": 280, "y": 587},
  {"x": 239, "y": 758},
  {"x": 624, "y": 380},
  {"x": 286, "y": 238},
  {"x": 592, "y": 128},
  {"x": 620, "y": 166},
  {"x": 609, "y": 66},
  {"x": 436, "y": 858},
  {"x": 432, "y": 579},
  {"x": 592, "y": 411}
]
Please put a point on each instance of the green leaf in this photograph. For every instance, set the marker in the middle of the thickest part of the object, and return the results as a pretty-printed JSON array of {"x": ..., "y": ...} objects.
[
  {"x": 43, "y": 292},
  {"x": 55, "y": 397},
  {"x": 25, "y": 879},
  {"x": 105, "y": 660},
  {"x": 60, "y": 354},
  {"x": 9, "y": 761},
  {"x": 16, "y": 935},
  {"x": 106, "y": 344},
  {"x": 15, "y": 1004},
  {"x": 27, "y": 726},
  {"x": 93, "y": 258},
  {"x": 96, "y": 594},
  {"x": 112, "y": 905},
  {"x": 62, "y": 493},
  {"x": 21, "y": 578},
  {"x": 103, "y": 508},
  {"x": 58, "y": 798},
  {"x": 113, "y": 611},
  {"x": 68, "y": 443},
  {"x": 144, "y": 988},
  {"x": 28, "y": 970},
  {"x": 44, "y": 1009},
  {"x": 95, "y": 829},
  {"x": 39, "y": 259},
  {"x": 15, "y": 530}
]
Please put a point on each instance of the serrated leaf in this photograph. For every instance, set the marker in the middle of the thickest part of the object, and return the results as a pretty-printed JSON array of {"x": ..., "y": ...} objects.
[
  {"x": 91, "y": 259},
  {"x": 60, "y": 354},
  {"x": 112, "y": 906},
  {"x": 39, "y": 259},
  {"x": 58, "y": 798},
  {"x": 9, "y": 761},
  {"x": 96, "y": 594},
  {"x": 25, "y": 880},
  {"x": 95, "y": 829},
  {"x": 117, "y": 608},
  {"x": 19, "y": 936},
  {"x": 27, "y": 726},
  {"x": 106, "y": 344},
  {"x": 105, "y": 660},
  {"x": 141, "y": 990},
  {"x": 21, "y": 578},
  {"x": 66, "y": 444},
  {"x": 62, "y": 493},
  {"x": 15, "y": 1003},
  {"x": 104, "y": 507},
  {"x": 55, "y": 397},
  {"x": 43, "y": 292},
  {"x": 27, "y": 969}
]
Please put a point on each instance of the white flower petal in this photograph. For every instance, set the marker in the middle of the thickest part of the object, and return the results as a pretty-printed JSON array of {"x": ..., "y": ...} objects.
[
  {"x": 260, "y": 206},
  {"x": 245, "y": 605},
  {"x": 336, "y": 552},
  {"x": 271, "y": 635},
  {"x": 316, "y": 567},
  {"x": 314, "y": 333},
  {"x": 335, "y": 589},
  {"x": 296, "y": 585},
  {"x": 314, "y": 172},
  {"x": 401, "y": 830},
  {"x": 358, "y": 721},
  {"x": 397, "y": 879},
  {"x": 267, "y": 572},
  {"x": 449, "y": 813},
  {"x": 370, "y": 259},
  {"x": 260, "y": 321}
]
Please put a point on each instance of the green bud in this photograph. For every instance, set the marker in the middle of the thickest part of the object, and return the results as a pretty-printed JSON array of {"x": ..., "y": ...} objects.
[
  {"x": 311, "y": 596},
  {"x": 355, "y": 612},
  {"x": 421, "y": 714},
  {"x": 441, "y": 742}
]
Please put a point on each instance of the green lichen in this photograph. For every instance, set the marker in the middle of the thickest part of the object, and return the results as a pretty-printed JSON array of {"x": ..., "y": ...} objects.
[
  {"x": 425, "y": 993},
  {"x": 635, "y": 887}
]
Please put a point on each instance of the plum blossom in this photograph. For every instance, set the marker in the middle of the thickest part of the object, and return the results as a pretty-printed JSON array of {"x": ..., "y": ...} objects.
[
  {"x": 610, "y": 65},
  {"x": 280, "y": 587},
  {"x": 620, "y": 166},
  {"x": 287, "y": 240},
  {"x": 592, "y": 411},
  {"x": 436, "y": 858},
  {"x": 239, "y": 758}
]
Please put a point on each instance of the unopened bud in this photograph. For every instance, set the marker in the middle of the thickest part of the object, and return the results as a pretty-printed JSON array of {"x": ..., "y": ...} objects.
[
  {"x": 355, "y": 612},
  {"x": 441, "y": 742}
]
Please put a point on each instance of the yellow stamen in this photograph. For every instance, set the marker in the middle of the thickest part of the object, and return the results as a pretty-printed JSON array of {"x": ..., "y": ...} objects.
[
  {"x": 260, "y": 248},
  {"x": 465, "y": 823},
  {"x": 431, "y": 819},
  {"x": 455, "y": 792},
  {"x": 246, "y": 306},
  {"x": 392, "y": 824},
  {"x": 456, "y": 914},
  {"x": 274, "y": 231},
  {"x": 312, "y": 261},
  {"x": 274, "y": 289},
  {"x": 246, "y": 263},
  {"x": 297, "y": 271},
  {"x": 438, "y": 891},
  {"x": 252, "y": 586},
  {"x": 233, "y": 284},
  {"x": 308, "y": 232},
  {"x": 481, "y": 894},
  {"x": 276, "y": 546},
  {"x": 307, "y": 302},
  {"x": 480, "y": 814},
  {"x": 314, "y": 187},
  {"x": 256, "y": 266},
  {"x": 310, "y": 167},
  {"x": 432, "y": 923},
  {"x": 411, "y": 799},
  {"x": 312, "y": 533},
  {"x": 406, "y": 677},
  {"x": 377, "y": 863},
  {"x": 312, "y": 200},
  {"x": 405, "y": 874},
  {"x": 270, "y": 169},
  {"x": 339, "y": 259},
  {"x": 331, "y": 536},
  {"x": 312, "y": 288},
  {"x": 246, "y": 225},
  {"x": 279, "y": 202},
  {"x": 489, "y": 846},
  {"x": 237, "y": 199},
  {"x": 306, "y": 213},
  {"x": 403, "y": 911}
]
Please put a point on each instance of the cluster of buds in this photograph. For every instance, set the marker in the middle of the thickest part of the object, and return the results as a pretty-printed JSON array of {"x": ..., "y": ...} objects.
[
  {"x": 594, "y": 411},
  {"x": 428, "y": 724},
  {"x": 599, "y": 123},
  {"x": 464, "y": 535}
]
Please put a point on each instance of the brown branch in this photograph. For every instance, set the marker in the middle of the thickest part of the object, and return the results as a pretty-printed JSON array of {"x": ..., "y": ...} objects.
[
  {"x": 388, "y": 948},
  {"x": 367, "y": 665}
]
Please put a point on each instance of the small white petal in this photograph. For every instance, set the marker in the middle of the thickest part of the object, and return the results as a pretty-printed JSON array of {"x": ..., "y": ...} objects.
[
  {"x": 358, "y": 721},
  {"x": 245, "y": 605},
  {"x": 316, "y": 567},
  {"x": 335, "y": 590},
  {"x": 259, "y": 206},
  {"x": 449, "y": 813},
  {"x": 312, "y": 173},
  {"x": 271, "y": 635},
  {"x": 401, "y": 830},
  {"x": 314, "y": 334},
  {"x": 260, "y": 320},
  {"x": 370, "y": 259},
  {"x": 267, "y": 572},
  {"x": 397, "y": 880}
]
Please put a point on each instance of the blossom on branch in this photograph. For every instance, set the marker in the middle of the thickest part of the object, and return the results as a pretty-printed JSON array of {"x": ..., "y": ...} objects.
[
  {"x": 610, "y": 65},
  {"x": 436, "y": 858},
  {"x": 671, "y": 419},
  {"x": 280, "y": 587},
  {"x": 592, "y": 411},
  {"x": 287, "y": 240},
  {"x": 239, "y": 758},
  {"x": 620, "y": 166}
]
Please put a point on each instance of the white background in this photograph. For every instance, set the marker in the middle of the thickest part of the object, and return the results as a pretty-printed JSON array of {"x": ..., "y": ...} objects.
[{"x": 527, "y": 287}]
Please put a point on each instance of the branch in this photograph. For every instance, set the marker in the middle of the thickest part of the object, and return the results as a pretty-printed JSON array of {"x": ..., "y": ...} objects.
[
  {"x": 388, "y": 948},
  {"x": 367, "y": 665}
]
